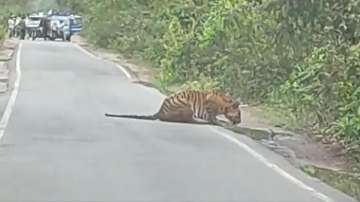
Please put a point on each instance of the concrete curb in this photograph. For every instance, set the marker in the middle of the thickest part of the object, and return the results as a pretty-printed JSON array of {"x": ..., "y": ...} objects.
[{"x": 7, "y": 50}]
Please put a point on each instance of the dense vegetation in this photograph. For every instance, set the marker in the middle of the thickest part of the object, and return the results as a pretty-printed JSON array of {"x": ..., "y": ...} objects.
[
  {"x": 303, "y": 55},
  {"x": 6, "y": 8}
]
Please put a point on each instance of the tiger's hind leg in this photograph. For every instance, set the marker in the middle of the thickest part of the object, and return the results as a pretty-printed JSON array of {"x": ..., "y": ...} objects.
[{"x": 184, "y": 115}]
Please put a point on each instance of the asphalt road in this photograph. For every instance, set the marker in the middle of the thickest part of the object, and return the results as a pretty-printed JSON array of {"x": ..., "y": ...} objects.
[{"x": 59, "y": 146}]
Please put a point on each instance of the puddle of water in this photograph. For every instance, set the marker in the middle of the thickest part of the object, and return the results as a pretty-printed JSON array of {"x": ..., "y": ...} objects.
[{"x": 346, "y": 182}]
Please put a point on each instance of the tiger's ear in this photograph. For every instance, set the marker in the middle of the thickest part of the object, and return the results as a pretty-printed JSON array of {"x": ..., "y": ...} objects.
[{"x": 235, "y": 105}]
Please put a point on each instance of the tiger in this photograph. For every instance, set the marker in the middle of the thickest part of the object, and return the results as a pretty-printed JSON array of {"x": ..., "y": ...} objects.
[{"x": 193, "y": 106}]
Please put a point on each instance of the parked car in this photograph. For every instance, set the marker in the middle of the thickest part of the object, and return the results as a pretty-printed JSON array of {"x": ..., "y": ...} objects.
[
  {"x": 76, "y": 24},
  {"x": 42, "y": 30},
  {"x": 71, "y": 26},
  {"x": 64, "y": 27},
  {"x": 33, "y": 25}
]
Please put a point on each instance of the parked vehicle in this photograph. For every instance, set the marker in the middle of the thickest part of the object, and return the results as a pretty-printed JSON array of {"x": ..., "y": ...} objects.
[
  {"x": 71, "y": 26},
  {"x": 33, "y": 25},
  {"x": 41, "y": 30},
  {"x": 64, "y": 27},
  {"x": 76, "y": 24},
  {"x": 54, "y": 27}
]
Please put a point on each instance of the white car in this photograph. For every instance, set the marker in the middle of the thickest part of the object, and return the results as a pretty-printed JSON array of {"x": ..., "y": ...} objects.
[
  {"x": 33, "y": 21},
  {"x": 32, "y": 24}
]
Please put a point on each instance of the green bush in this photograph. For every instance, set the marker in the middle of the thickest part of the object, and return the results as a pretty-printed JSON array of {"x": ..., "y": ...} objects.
[
  {"x": 3, "y": 25},
  {"x": 203, "y": 83},
  {"x": 8, "y": 7}
]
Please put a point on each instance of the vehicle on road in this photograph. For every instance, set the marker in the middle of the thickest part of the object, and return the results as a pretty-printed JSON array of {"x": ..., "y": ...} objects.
[
  {"x": 71, "y": 26},
  {"x": 55, "y": 27},
  {"x": 75, "y": 24},
  {"x": 63, "y": 26},
  {"x": 33, "y": 27},
  {"x": 41, "y": 30}
]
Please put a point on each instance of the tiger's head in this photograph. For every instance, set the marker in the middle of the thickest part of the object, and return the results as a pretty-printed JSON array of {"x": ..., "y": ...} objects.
[
  {"x": 233, "y": 113},
  {"x": 228, "y": 106}
]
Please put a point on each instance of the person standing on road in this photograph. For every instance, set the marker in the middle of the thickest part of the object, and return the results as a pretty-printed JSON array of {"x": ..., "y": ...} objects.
[
  {"x": 44, "y": 26},
  {"x": 22, "y": 28},
  {"x": 27, "y": 28},
  {"x": 11, "y": 26},
  {"x": 18, "y": 26}
]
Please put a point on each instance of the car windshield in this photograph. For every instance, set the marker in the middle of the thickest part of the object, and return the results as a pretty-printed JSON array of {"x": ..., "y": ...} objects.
[{"x": 35, "y": 18}]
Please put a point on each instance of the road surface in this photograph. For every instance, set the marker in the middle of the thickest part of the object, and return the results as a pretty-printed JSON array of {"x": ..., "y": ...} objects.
[{"x": 59, "y": 146}]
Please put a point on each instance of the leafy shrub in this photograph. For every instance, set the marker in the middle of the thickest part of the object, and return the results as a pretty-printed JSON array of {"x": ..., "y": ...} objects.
[
  {"x": 8, "y": 7},
  {"x": 203, "y": 83}
]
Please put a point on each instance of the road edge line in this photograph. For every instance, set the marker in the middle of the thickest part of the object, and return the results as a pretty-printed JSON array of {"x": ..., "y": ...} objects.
[
  {"x": 127, "y": 74},
  {"x": 272, "y": 166},
  {"x": 11, "y": 102}
]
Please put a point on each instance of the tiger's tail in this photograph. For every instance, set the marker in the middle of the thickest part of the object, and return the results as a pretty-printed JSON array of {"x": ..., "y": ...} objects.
[{"x": 145, "y": 117}]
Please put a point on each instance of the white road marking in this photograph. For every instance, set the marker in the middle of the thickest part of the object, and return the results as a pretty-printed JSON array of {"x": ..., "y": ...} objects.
[
  {"x": 273, "y": 166},
  {"x": 10, "y": 105},
  {"x": 127, "y": 74},
  {"x": 85, "y": 51}
]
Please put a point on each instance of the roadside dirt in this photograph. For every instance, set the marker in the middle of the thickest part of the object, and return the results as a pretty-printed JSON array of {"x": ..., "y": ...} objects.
[{"x": 300, "y": 149}]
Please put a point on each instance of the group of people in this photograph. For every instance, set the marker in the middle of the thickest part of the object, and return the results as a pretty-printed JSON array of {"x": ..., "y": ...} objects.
[
  {"x": 53, "y": 25},
  {"x": 17, "y": 26}
]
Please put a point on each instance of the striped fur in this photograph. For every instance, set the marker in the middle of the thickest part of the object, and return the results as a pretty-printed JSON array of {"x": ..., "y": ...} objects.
[{"x": 190, "y": 106}]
